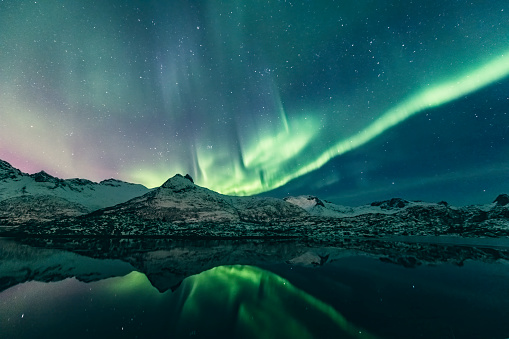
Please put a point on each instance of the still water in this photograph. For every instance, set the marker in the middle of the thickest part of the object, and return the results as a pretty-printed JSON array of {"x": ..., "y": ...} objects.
[{"x": 221, "y": 289}]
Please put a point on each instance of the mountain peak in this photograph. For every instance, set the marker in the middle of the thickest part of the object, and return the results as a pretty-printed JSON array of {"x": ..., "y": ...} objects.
[
  {"x": 7, "y": 171},
  {"x": 4, "y": 165},
  {"x": 502, "y": 200},
  {"x": 42, "y": 176},
  {"x": 390, "y": 204},
  {"x": 179, "y": 183}
]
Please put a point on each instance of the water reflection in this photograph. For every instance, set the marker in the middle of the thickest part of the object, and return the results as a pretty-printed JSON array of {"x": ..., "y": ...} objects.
[
  {"x": 224, "y": 302},
  {"x": 154, "y": 288},
  {"x": 260, "y": 304}
]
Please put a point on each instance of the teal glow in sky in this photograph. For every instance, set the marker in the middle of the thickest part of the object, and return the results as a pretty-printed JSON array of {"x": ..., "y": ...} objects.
[{"x": 334, "y": 99}]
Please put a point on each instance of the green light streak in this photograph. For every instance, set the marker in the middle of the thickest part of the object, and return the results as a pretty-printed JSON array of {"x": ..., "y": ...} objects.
[
  {"x": 269, "y": 149},
  {"x": 294, "y": 145},
  {"x": 260, "y": 304},
  {"x": 276, "y": 149},
  {"x": 132, "y": 281},
  {"x": 438, "y": 95},
  {"x": 239, "y": 301},
  {"x": 262, "y": 162}
]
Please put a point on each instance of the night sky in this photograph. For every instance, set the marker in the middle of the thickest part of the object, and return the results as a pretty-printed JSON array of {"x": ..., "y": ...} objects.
[{"x": 353, "y": 101}]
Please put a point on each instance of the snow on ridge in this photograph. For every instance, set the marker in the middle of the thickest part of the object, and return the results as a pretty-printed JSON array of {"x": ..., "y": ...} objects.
[
  {"x": 92, "y": 195},
  {"x": 323, "y": 208},
  {"x": 180, "y": 200},
  {"x": 306, "y": 202},
  {"x": 179, "y": 183},
  {"x": 115, "y": 182}
]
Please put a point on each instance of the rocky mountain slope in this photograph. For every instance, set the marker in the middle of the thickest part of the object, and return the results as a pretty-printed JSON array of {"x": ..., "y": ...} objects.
[
  {"x": 180, "y": 200},
  {"x": 179, "y": 208},
  {"x": 48, "y": 206},
  {"x": 401, "y": 217},
  {"x": 38, "y": 196},
  {"x": 37, "y": 208}
]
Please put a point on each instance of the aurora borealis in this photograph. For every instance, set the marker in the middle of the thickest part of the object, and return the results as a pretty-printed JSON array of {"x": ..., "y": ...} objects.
[{"x": 349, "y": 100}]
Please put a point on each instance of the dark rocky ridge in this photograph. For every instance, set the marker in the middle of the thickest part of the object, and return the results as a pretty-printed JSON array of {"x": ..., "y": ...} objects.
[
  {"x": 7, "y": 171},
  {"x": 390, "y": 204},
  {"x": 502, "y": 200}
]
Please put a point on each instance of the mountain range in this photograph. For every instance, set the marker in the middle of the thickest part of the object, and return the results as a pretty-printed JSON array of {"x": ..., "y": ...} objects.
[
  {"x": 40, "y": 196},
  {"x": 43, "y": 205}
]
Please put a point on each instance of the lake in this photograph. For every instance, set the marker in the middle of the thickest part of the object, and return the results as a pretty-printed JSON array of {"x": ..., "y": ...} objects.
[{"x": 161, "y": 288}]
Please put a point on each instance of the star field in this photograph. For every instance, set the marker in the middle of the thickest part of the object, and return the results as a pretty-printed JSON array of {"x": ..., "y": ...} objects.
[{"x": 349, "y": 100}]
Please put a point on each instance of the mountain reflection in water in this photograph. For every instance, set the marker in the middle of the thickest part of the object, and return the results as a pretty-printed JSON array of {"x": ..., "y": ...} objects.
[
  {"x": 238, "y": 301},
  {"x": 148, "y": 288}
]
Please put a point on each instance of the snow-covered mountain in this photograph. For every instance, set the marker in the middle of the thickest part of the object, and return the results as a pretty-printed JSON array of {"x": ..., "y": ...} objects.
[
  {"x": 45, "y": 193},
  {"x": 179, "y": 208},
  {"x": 323, "y": 208},
  {"x": 180, "y": 200},
  {"x": 401, "y": 217},
  {"x": 45, "y": 205}
]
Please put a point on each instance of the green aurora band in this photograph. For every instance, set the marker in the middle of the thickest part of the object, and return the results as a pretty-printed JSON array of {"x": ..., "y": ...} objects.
[
  {"x": 267, "y": 165},
  {"x": 238, "y": 301},
  {"x": 256, "y": 303},
  {"x": 243, "y": 96}
]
